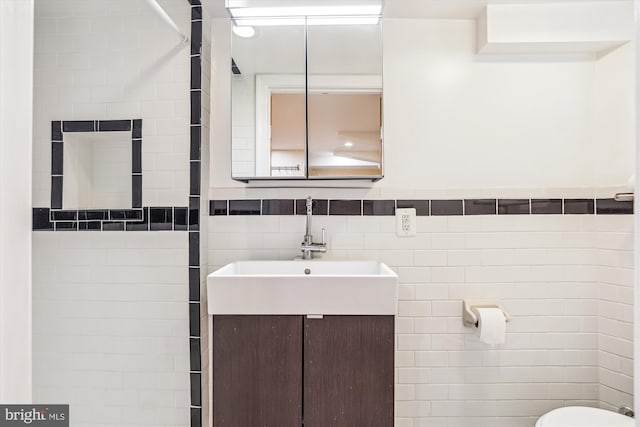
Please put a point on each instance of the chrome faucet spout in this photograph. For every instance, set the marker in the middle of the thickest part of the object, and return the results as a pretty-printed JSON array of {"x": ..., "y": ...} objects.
[{"x": 308, "y": 247}]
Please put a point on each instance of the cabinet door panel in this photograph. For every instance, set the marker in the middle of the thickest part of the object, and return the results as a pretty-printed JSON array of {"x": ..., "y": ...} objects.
[
  {"x": 257, "y": 362},
  {"x": 348, "y": 371}
]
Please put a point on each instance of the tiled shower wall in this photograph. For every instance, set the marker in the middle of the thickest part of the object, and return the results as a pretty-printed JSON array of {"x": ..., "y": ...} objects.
[
  {"x": 545, "y": 269},
  {"x": 111, "y": 311}
]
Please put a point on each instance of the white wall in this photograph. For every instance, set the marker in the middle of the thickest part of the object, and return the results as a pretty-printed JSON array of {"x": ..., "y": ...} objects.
[
  {"x": 16, "y": 106},
  {"x": 111, "y": 326},
  {"x": 456, "y": 120},
  {"x": 460, "y": 125}
]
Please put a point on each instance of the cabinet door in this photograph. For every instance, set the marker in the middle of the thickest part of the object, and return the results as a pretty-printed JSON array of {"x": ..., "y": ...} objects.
[
  {"x": 258, "y": 371},
  {"x": 348, "y": 371}
]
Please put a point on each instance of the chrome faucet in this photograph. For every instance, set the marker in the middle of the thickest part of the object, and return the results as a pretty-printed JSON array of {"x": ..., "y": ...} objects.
[{"x": 308, "y": 247}]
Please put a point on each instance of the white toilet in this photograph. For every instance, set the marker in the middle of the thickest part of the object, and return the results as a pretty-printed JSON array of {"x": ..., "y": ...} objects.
[{"x": 582, "y": 416}]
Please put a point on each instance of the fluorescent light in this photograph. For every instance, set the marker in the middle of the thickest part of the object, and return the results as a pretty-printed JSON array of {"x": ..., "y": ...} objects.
[
  {"x": 263, "y": 12},
  {"x": 244, "y": 31},
  {"x": 344, "y": 20},
  {"x": 265, "y": 22},
  {"x": 348, "y": 144}
]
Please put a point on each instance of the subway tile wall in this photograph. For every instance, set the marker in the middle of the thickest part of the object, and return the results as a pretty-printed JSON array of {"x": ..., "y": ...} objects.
[
  {"x": 111, "y": 308},
  {"x": 110, "y": 326},
  {"x": 565, "y": 280}
]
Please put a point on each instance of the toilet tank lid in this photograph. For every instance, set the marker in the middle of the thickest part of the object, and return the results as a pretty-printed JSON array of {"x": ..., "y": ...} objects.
[{"x": 582, "y": 416}]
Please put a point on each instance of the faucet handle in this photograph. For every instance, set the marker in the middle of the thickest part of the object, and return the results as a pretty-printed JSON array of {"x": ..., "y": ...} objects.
[{"x": 323, "y": 241}]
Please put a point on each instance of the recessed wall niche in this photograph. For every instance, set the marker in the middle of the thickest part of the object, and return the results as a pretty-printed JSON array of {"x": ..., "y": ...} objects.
[{"x": 96, "y": 165}]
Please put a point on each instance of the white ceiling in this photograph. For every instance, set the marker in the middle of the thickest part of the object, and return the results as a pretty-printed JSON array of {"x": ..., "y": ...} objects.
[{"x": 422, "y": 9}]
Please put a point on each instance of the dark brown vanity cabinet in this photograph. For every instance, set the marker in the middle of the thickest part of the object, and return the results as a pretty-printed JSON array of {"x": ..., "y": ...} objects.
[{"x": 281, "y": 371}]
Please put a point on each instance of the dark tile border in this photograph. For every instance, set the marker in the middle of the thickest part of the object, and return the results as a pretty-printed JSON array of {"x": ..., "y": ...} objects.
[
  {"x": 193, "y": 214},
  {"x": 453, "y": 207},
  {"x": 169, "y": 218},
  {"x": 60, "y": 127}
]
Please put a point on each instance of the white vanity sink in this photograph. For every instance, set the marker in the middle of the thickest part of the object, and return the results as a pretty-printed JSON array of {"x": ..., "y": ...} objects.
[{"x": 303, "y": 287}]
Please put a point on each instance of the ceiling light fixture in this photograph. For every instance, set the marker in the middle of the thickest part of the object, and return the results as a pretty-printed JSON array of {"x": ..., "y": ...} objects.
[
  {"x": 312, "y": 15},
  {"x": 265, "y": 12},
  {"x": 348, "y": 144}
]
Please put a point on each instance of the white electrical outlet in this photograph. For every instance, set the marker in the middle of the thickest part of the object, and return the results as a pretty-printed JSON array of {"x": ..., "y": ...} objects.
[{"x": 406, "y": 222}]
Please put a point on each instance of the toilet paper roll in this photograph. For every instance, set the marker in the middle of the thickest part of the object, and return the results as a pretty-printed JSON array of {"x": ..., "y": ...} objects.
[{"x": 491, "y": 325}]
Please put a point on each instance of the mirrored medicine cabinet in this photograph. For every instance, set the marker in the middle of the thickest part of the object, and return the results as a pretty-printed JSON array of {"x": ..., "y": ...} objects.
[{"x": 306, "y": 99}]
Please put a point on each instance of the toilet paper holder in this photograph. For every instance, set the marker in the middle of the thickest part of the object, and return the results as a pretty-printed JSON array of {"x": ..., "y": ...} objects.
[{"x": 469, "y": 315}]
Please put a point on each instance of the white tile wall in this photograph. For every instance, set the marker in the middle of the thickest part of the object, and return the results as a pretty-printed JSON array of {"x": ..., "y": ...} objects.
[
  {"x": 614, "y": 277},
  {"x": 562, "y": 278},
  {"x": 109, "y": 59},
  {"x": 110, "y": 326},
  {"x": 110, "y": 308}
]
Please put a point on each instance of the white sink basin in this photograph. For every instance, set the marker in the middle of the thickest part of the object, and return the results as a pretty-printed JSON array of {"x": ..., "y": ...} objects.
[{"x": 303, "y": 287}]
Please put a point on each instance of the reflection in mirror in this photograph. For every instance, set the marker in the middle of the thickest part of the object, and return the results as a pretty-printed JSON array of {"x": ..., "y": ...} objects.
[
  {"x": 97, "y": 170},
  {"x": 345, "y": 98},
  {"x": 274, "y": 54}
]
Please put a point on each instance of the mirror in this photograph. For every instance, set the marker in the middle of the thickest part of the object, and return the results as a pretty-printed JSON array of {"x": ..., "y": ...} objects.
[
  {"x": 307, "y": 100},
  {"x": 97, "y": 170}
]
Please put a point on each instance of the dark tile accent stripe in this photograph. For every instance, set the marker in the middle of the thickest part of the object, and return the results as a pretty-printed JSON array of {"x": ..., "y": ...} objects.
[
  {"x": 136, "y": 156},
  {"x": 378, "y": 207},
  {"x": 56, "y": 131},
  {"x": 79, "y": 126},
  {"x": 244, "y": 207},
  {"x": 196, "y": 13},
  {"x": 613, "y": 207},
  {"x": 57, "y": 157},
  {"x": 126, "y": 214},
  {"x": 161, "y": 218},
  {"x": 421, "y": 206},
  {"x": 318, "y": 207},
  {"x": 194, "y": 284},
  {"x": 194, "y": 187},
  {"x": 578, "y": 206},
  {"x": 56, "y": 192},
  {"x": 513, "y": 207},
  {"x": 136, "y": 191},
  {"x": 480, "y": 206},
  {"x": 93, "y": 215},
  {"x": 112, "y": 226},
  {"x": 196, "y": 417},
  {"x": 345, "y": 207},
  {"x": 194, "y": 319},
  {"x": 195, "y": 363},
  {"x": 66, "y": 226},
  {"x": 180, "y": 218},
  {"x": 194, "y": 213},
  {"x": 277, "y": 207},
  {"x": 218, "y": 207},
  {"x": 90, "y": 225},
  {"x": 196, "y": 388},
  {"x": 136, "y": 132},
  {"x": 139, "y": 225},
  {"x": 546, "y": 206},
  {"x": 145, "y": 219},
  {"x": 438, "y": 207},
  {"x": 195, "y": 107},
  {"x": 64, "y": 215},
  {"x": 194, "y": 249},
  {"x": 196, "y": 37},
  {"x": 195, "y": 142},
  {"x": 41, "y": 220},
  {"x": 446, "y": 207},
  {"x": 114, "y": 125}
]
